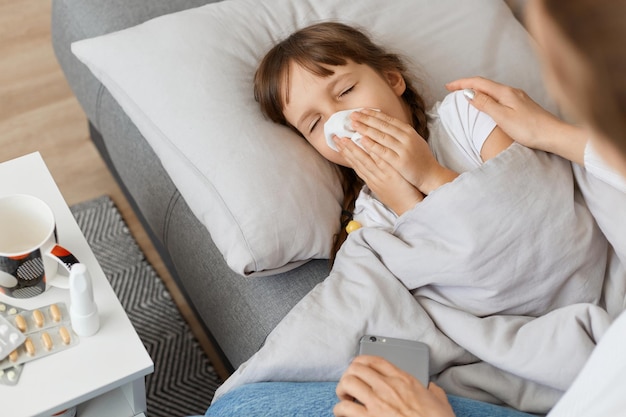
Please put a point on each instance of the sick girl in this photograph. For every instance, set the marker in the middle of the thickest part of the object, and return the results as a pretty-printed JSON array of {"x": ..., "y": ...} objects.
[{"x": 406, "y": 151}]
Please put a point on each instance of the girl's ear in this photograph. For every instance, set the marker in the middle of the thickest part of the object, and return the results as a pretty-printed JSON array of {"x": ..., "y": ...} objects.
[{"x": 396, "y": 81}]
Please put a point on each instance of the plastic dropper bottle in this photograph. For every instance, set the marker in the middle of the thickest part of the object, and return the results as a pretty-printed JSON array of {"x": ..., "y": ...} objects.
[{"x": 83, "y": 309}]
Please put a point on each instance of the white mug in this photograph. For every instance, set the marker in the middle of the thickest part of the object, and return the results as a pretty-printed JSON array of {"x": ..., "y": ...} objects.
[{"x": 29, "y": 253}]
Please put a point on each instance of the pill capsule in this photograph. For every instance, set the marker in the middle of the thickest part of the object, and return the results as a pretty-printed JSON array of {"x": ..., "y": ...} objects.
[
  {"x": 65, "y": 335},
  {"x": 39, "y": 318},
  {"x": 29, "y": 346},
  {"x": 13, "y": 356},
  {"x": 47, "y": 341},
  {"x": 55, "y": 313},
  {"x": 20, "y": 323}
]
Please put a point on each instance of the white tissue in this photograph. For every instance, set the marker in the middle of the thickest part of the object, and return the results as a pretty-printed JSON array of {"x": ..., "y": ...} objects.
[{"x": 339, "y": 124}]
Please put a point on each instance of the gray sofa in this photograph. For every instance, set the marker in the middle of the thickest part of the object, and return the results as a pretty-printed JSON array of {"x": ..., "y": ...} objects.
[{"x": 237, "y": 312}]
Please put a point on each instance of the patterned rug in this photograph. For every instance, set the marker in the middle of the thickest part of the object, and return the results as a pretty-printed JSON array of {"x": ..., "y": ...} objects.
[{"x": 184, "y": 381}]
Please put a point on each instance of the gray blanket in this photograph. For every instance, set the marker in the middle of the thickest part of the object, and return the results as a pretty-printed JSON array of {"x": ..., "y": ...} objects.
[{"x": 504, "y": 273}]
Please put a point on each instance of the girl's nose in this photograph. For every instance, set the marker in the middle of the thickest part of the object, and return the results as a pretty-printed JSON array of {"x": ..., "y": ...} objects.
[{"x": 332, "y": 110}]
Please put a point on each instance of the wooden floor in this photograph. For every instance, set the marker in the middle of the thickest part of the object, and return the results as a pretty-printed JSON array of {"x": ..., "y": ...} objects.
[{"x": 38, "y": 112}]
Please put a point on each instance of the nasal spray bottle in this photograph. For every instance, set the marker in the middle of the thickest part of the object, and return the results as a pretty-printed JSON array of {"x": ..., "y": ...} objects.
[{"x": 83, "y": 309}]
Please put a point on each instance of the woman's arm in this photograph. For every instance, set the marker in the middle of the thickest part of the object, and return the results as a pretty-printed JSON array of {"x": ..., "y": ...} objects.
[{"x": 524, "y": 120}]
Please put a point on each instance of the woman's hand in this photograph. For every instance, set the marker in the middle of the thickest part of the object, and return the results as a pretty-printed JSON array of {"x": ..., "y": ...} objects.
[
  {"x": 384, "y": 390},
  {"x": 523, "y": 119},
  {"x": 400, "y": 146},
  {"x": 385, "y": 182}
]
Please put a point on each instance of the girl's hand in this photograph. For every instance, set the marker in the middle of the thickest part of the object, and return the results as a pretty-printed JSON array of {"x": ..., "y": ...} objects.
[
  {"x": 400, "y": 146},
  {"x": 384, "y": 390},
  {"x": 385, "y": 182},
  {"x": 523, "y": 119}
]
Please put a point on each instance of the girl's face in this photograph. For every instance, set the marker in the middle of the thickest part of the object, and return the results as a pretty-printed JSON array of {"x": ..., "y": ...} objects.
[{"x": 313, "y": 99}]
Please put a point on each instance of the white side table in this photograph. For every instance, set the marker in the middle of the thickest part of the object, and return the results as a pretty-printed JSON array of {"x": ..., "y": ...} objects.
[{"x": 105, "y": 373}]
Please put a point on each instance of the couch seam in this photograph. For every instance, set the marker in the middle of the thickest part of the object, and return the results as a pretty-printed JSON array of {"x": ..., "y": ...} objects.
[
  {"x": 99, "y": 95},
  {"x": 168, "y": 215}
]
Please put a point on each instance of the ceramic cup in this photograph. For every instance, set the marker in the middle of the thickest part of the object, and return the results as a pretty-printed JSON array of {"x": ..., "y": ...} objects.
[{"x": 29, "y": 253}]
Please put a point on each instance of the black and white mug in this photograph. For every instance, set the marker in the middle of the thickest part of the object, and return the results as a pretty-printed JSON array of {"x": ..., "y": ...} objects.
[{"x": 29, "y": 253}]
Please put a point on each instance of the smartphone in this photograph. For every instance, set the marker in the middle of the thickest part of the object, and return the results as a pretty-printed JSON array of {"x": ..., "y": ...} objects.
[{"x": 409, "y": 355}]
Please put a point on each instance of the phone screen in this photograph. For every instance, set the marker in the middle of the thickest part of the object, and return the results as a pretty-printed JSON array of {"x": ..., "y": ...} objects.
[{"x": 409, "y": 355}]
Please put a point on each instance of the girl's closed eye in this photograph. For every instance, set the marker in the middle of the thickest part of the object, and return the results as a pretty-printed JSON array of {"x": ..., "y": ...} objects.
[
  {"x": 314, "y": 125},
  {"x": 346, "y": 91}
]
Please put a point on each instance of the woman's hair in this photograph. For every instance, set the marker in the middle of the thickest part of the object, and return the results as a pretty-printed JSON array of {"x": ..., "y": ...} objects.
[
  {"x": 315, "y": 48},
  {"x": 597, "y": 31}
]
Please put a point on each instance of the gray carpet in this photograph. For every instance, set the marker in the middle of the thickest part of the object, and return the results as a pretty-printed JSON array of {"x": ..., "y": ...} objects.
[{"x": 184, "y": 380}]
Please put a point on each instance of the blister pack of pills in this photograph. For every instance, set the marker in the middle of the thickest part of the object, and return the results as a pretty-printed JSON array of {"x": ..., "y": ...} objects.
[
  {"x": 7, "y": 310},
  {"x": 10, "y": 376},
  {"x": 10, "y": 338},
  {"x": 41, "y": 318},
  {"x": 46, "y": 330}
]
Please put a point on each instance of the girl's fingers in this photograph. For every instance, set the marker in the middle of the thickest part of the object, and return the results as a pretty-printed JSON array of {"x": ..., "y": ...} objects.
[
  {"x": 360, "y": 160},
  {"x": 381, "y": 128},
  {"x": 374, "y": 148}
]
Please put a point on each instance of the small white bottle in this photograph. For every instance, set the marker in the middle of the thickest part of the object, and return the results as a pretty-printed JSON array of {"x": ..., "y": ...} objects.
[{"x": 83, "y": 309}]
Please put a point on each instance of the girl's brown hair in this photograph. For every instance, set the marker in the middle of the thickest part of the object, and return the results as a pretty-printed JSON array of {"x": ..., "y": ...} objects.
[{"x": 315, "y": 48}]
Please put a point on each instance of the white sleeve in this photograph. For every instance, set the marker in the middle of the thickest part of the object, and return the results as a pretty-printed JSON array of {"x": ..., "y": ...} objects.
[
  {"x": 598, "y": 390},
  {"x": 370, "y": 212},
  {"x": 467, "y": 126},
  {"x": 596, "y": 166}
]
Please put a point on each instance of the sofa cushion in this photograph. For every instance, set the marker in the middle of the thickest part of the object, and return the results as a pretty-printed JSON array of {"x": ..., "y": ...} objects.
[{"x": 269, "y": 201}]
